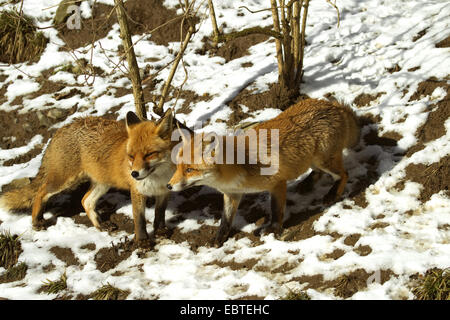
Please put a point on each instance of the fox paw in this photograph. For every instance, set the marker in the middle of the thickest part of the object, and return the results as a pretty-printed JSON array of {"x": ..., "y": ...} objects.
[
  {"x": 40, "y": 225},
  {"x": 274, "y": 228},
  {"x": 145, "y": 244},
  {"x": 107, "y": 226},
  {"x": 219, "y": 240},
  {"x": 330, "y": 198},
  {"x": 163, "y": 231}
]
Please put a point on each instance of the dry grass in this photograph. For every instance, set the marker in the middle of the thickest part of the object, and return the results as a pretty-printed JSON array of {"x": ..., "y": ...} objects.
[
  {"x": 296, "y": 295},
  {"x": 109, "y": 292},
  {"x": 15, "y": 273},
  {"x": 53, "y": 287},
  {"x": 19, "y": 39},
  {"x": 434, "y": 285},
  {"x": 10, "y": 249}
]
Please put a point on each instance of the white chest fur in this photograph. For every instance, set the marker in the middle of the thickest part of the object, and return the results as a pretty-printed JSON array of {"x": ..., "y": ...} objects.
[{"x": 156, "y": 183}]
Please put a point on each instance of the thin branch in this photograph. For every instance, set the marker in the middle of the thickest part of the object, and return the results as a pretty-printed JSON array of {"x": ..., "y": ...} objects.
[
  {"x": 159, "y": 109},
  {"x": 337, "y": 10},
  {"x": 296, "y": 33},
  {"x": 302, "y": 43}
]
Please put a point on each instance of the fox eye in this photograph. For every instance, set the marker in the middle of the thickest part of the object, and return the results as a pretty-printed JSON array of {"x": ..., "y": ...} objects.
[
  {"x": 131, "y": 157},
  {"x": 189, "y": 170},
  {"x": 150, "y": 154}
]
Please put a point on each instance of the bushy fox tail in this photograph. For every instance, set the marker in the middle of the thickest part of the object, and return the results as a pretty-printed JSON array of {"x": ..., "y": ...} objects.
[{"x": 20, "y": 199}]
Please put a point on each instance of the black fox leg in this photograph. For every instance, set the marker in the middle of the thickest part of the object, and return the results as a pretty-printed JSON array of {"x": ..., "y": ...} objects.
[
  {"x": 230, "y": 206},
  {"x": 160, "y": 211},
  {"x": 278, "y": 205},
  {"x": 138, "y": 203}
]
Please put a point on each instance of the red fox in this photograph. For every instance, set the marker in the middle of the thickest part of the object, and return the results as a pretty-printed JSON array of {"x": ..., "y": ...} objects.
[
  {"x": 134, "y": 156},
  {"x": 311, "y": 133}
]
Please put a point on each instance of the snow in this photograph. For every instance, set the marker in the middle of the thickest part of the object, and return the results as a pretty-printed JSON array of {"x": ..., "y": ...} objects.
[{"x": 373, "y": 36}]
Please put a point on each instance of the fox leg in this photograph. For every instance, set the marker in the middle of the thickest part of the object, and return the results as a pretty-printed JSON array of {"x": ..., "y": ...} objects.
[
  {"x": 90, "y": 199},
  {"x": 138, "y": 203},
  {"x": 37, "y": 213},
  {"x": 335, "y": 167},
  {"x": 45, "y": 191},
  {"x": 230, "y": 206},
  {"x": 50, "y": 186},
  {"x": 160, "y": 211},
  {"x": 278, "y": 206}
]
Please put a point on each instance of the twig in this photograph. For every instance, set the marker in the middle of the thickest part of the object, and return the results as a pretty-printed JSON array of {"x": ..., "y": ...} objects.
[
  {"x": 337, "y": 10},
  {"x": 159, "y": 109}
]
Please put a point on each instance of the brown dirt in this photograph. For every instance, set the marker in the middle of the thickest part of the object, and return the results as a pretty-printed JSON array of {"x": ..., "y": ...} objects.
[
  {"x": 419, "y": 35},
  {"x": 394, "y": 69},
  {"x": 272, "y": 98},
  {"x": 444, "y": 43},
  {"x": 232, "y": 49},
  {"x": 24, "y": 126},
  {"x": 66, "y": 255},
  {"x": 233, "y": 265},
  {"x": 364, "y": 99},
  {"x": 109, "y": 258},
  {"x": 346, "y": 285},
  {"x": 363, "y": 250},
  {"x": 352, "y": 239},
  {"x": 91, "y": 30},
  {"x": 434, "y": 178},
  {"x": 434, "y": 127},
  {"x": 336, "y": 254},
  {"x": 143, "y": 16}
]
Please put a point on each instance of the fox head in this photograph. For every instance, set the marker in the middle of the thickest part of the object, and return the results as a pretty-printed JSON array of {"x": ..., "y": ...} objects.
[
  {"x": 149, "y": 144},
  {"x": 193, "y": 168}
]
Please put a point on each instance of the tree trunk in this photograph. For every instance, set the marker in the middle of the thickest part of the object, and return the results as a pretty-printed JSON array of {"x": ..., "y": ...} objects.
[{"x": 131, "y": 59}]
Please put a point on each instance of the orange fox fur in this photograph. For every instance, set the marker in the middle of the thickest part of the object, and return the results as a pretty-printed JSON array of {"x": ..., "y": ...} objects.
[
  {"x": 312, "y": 133},
  {"x": 132, "y": 156}
]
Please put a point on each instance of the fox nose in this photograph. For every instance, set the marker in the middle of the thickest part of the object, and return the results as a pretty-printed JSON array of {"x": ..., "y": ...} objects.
[
  {"x": 169, "y": 186},
  {"x": 134, "y": 174}
]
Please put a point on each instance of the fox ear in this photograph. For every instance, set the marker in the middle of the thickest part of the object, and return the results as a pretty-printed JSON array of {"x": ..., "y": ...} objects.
[
  {"x": 131, "y": 119},
  {"x": 164, "y": 125},
  {"x": 183, "y": 137}
]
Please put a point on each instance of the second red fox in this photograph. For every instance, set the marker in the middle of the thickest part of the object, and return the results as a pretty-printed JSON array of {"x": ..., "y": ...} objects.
[{"x": 312, "y": 133}]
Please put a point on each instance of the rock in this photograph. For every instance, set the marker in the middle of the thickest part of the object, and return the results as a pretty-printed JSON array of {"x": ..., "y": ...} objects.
[
  {"x": 57, "y": 114},
  {"x": 43, "y": 120},
  {"x": 61, "y": 14}
]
